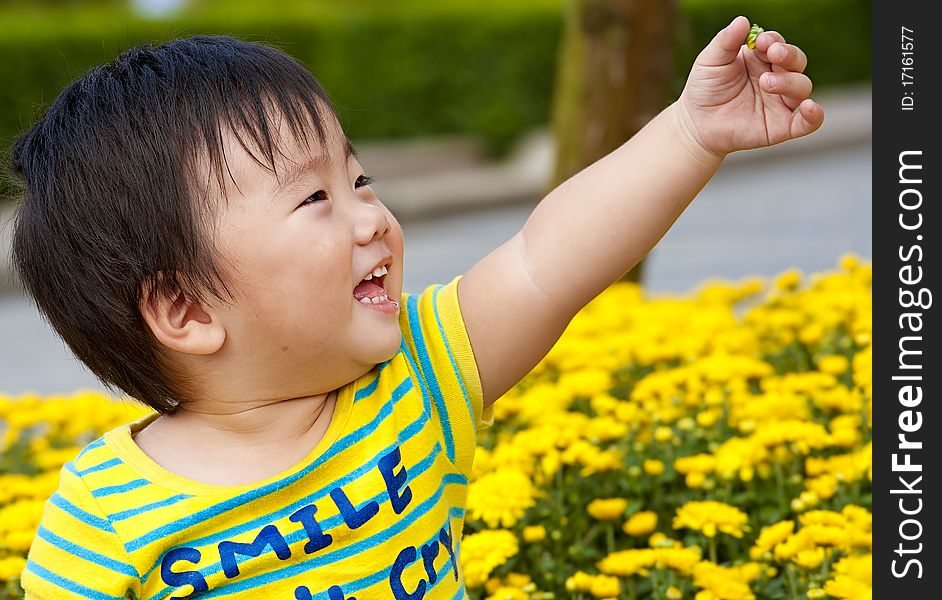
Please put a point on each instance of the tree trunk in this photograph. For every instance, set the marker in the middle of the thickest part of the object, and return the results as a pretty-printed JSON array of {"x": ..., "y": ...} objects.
[{"x": 614, "y": 76}]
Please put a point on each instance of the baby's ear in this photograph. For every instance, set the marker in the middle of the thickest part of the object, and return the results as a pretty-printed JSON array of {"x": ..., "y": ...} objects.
[{"x": 179, "y": 322}]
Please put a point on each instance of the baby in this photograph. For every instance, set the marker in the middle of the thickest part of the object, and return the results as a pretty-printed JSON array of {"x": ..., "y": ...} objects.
[{"x": 198, "y": 229}]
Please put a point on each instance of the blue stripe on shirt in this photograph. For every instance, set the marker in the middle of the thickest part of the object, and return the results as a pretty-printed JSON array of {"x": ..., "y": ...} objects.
[
  {"x": 429, "y": 374},
  {"x": 86, "y": 554},
  {"x": 254, "y": 494},
  {"x": 91, "y": 446},
  {"x": 368, "y": 389},
  {"x": 67, "y": 584},
  {"x": 111, "y": 490},
  {"x": 426, "y": 402},
  {"x": 139, "y": 510},
  {"x": 451, "y": 357},
  {"x": 99, "y": 467},
  {"x": 60, "y": 502}
]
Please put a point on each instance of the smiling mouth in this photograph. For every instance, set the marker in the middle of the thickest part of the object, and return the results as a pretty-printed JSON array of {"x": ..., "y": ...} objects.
[{"x": 372, "y": 289}]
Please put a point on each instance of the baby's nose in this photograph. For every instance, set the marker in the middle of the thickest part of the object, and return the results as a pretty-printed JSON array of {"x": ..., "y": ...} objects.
[{"x": 372, "y": 223}]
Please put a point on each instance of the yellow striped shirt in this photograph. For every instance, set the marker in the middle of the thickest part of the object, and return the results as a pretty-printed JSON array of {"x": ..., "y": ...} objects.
[{"x": 374, "y": 511}]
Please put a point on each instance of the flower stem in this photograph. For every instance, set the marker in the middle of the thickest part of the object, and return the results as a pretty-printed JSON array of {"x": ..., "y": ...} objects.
[
  {"x": 791, "y": 583},
  {"x": 780, "y": 483}
]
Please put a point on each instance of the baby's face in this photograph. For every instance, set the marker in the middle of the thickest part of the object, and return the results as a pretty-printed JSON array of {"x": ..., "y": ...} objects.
[{"x": 297, "y": 246}]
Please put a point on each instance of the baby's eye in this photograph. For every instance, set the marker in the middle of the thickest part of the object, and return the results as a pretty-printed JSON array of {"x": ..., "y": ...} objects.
[
  {"x": 361, "y": 181},
  {"x": 318, "y": 195}
]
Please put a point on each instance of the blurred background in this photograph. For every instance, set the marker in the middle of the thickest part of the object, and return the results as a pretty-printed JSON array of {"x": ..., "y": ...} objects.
[{"x": 468, "y": 111}]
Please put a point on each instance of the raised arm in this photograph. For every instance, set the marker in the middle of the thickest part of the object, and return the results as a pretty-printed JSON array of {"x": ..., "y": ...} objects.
[{"x": 601, "y": 222}]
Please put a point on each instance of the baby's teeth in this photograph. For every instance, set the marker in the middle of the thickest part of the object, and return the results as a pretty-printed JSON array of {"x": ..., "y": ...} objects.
[
  {"x": 368, "y": 277},
  {"x": 374, "y": 300},
  {"x": 379, "y": 271}
]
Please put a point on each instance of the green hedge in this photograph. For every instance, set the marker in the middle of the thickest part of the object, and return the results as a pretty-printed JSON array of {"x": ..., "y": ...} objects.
[{"x": 409, "y": 67}]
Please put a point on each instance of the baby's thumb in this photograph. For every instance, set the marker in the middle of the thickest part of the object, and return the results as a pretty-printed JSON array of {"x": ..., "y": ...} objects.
[{"x": 725, "y": 45}]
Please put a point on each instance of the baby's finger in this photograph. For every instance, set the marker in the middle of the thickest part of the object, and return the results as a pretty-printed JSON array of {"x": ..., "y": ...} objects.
[
  {"x": 808, "y": 118},
  {"x": 787, "y": 57},
  {"x": 793, "y": 87},
  {"x": 766, "y": 39},
  {"x": 725, "y": 45}
]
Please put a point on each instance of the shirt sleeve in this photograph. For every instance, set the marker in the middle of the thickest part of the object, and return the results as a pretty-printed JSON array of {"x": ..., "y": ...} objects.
[
  {"x": 435, "y": 335},
  {"x": 76, "y": 552}
]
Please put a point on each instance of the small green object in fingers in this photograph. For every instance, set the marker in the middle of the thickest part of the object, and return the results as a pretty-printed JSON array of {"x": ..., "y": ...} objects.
[{"x": 754, "y": 32}]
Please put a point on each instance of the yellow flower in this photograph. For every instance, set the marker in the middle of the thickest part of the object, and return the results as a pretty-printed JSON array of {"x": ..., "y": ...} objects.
[
  {"x": 19, "y": 541},
  {"x": 600, "y": 586},
  {"x": 625, "y": 563},
  {"x": 607, "y": 509},
  {"x": 603, "y": 429},
  {"x": 11, "y": 567},
  {"x": 585, "y": 382},
  {"x": 660, "y": 540},
  {"x": 695, "y": 480},
  {"x": 23, "y": 515},
  {"x": 508, "y": 593},
  {"x": 825, "y": 518},
  {"x": 754, "y": 32},
  {"x": 849, "y": 262},
  {"x": 770, "y": 537},
  {"x": 788, "y": 280},
  {"x": 518, "y": 580},
  {"x": 500, "y": 498},
  {"x": 858, "y": 568},
  {"x": 653, "y": 467},
  {"x": 673, "y": 593},
  {"x": 682, "y": 560},
  {"x": 809, "y": 498},
  {"x": 847, "y": 588},
  {"x": 834, "y": 364},
  {"x": 809, "y": 559},
  {"x": 721, "y": 582},
  {"x": 858, "y": 516},
  {"x": 711, "y": 517},
  {"x": 792, "y": 545},
  {"x": 709, "y": 418},
  {"x": 663, "y": 434},
  {"x": 604, "y": 586},
  {"x": 703, "y": 463},
  {"x": 483, "y": 552},
  {"x": 579, "y": 581},
  {"x": 597, "y": 462},
  {"x": 640, "y": 523},
  {"x": 534, "y": 533}
]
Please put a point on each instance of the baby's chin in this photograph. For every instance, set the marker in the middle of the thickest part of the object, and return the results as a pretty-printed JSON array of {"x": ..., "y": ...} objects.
[{"x": 391, "y": 351}]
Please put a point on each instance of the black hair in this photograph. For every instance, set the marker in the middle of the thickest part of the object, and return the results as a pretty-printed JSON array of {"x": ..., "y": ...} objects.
[{"x": 113, "y": 204}]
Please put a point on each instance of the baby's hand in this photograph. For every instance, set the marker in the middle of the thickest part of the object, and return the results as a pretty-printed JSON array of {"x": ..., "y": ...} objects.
[{"x": 738, "y": 98}]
